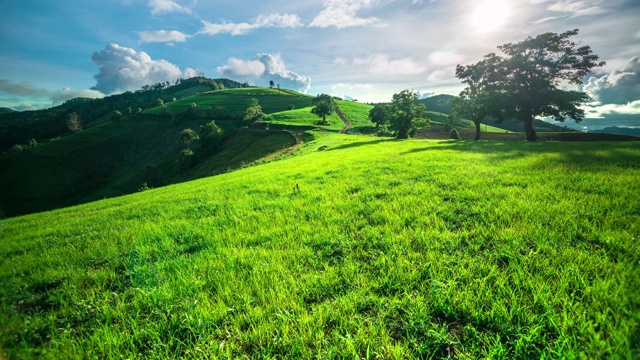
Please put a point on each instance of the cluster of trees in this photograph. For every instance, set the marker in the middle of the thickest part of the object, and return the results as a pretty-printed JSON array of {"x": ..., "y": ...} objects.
[
  {"x": 527, "y": 82},
  {"x": 402, "y": 117},
  {"x": 210, "y": 138}
]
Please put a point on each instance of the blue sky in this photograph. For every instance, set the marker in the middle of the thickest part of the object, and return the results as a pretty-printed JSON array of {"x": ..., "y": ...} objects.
[{"x": 363, "y": 49}]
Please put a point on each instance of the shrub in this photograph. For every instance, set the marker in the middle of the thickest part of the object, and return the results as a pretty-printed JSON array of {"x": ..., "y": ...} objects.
[
  {"x": 185, "y": 160},
  {"x": 453, "y": 134},
  {"x": 17, "y": 148}
]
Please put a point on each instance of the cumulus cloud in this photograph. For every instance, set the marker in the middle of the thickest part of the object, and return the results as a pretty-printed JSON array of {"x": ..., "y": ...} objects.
[
  {"x": 343, "y": 14},
  {"x": 262, "y": 21},
  {"x": 618, "y": 87},
  {"x": 123, "y": 69},
  {"x": 382, "y": 64},
  {"x": 263, "y": 68},
  {"x": 162, "y": 36},
  {"x": 166, "y": 6}
]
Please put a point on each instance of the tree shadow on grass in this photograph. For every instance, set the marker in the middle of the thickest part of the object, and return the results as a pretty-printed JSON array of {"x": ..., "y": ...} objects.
[{"x": 592, "y": 156}]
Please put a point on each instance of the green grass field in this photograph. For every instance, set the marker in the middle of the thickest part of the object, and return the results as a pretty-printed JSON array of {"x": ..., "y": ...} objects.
[{"x": 353, "y": 247}]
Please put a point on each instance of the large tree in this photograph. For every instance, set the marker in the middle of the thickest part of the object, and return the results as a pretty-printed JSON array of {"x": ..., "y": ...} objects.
[
  {"x": 528, "y": 80},
  {"x": 405, "y": 113},
  {"x": 323, "y": 106},
  {"x": 476, "y": 102}
]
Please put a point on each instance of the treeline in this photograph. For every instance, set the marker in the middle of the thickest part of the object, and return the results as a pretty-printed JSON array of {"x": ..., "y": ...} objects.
[{"x": 20, "y": 127}]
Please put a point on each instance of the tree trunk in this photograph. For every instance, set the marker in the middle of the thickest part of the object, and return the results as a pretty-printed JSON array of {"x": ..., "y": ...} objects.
[
  {"x": 324, "y": 119},
  {"x": 529, "y": 130},
  {"x": 477, "y": 130}
]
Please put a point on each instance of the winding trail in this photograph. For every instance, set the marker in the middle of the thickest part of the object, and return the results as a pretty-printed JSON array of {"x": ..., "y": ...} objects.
[{"x": 345, "y": 120}]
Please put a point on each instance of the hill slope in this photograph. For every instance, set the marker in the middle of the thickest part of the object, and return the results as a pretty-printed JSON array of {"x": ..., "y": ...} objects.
[{"x": 370, "y": 247}]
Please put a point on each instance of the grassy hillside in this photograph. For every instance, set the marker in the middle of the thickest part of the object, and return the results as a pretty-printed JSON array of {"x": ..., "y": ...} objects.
[
  {"x": 357, "y": 113},
  {"x": 235, "y": 101},
  {"x": 114, "y": 159},
  {"x": 42, "y": 125},
  {"x": 368, "y": 248}
]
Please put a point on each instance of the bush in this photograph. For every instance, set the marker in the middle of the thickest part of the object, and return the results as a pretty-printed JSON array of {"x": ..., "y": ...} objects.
[
  {"x": 453, "y": 134},
  {"x": 17, "y": 148},
  {"x": 185, "y": 160}
]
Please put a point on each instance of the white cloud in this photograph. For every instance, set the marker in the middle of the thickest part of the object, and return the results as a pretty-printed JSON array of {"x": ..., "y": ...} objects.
[
  {"x": 577, "y": 8},
  {"x": 263, "y": 68},
  {"x": 602, "y": 111},
  {"x": 162, "y": 36},
  {"x": 618, "y": 87},
  {"x": 262, "y": 21},
  {"x": 382, "y": 64},
  {"x": 343, "y": 14},
  {"x": 166, "y": 6},
  {"x": 123, "y": 69}
]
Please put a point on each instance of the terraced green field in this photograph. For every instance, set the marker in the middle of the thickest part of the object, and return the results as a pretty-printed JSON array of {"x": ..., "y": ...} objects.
[{"x": 352, "y": 247}]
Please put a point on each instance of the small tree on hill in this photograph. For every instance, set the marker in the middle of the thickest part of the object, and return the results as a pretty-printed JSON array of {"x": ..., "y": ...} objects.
[
  {"x": 323, "y": 106},
  {"x": 116, "y": 116},
  {"x": 211, "y": 136},
  {"x": 253, "y": 111},
  {"x": 188, "y": 136},
  {"x": 406, "y": 114},
  {"x": 74, "y": 124},
  {"x": 271, "y": 84}
]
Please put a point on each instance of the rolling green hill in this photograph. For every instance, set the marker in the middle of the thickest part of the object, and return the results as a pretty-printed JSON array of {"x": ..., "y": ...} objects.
[
  {"x": 42, "y": 125},
  {"x": 352, "y": 247},
  {"x": 110, "y": 159}
]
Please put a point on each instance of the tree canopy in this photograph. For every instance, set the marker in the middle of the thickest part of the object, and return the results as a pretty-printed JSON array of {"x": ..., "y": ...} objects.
[
  {"x": 323, "y": 106},
  {"x": 405, "y": 113}
]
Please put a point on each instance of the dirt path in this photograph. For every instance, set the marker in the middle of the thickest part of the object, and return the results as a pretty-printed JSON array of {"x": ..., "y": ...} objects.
[{"x": 347, "y": 123}]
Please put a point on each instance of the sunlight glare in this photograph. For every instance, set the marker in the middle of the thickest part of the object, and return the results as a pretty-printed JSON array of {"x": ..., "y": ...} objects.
[{"x": 490, "y": 15}]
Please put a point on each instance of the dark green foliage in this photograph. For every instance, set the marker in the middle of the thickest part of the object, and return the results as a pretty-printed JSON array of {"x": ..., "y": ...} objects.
[
  {"x": 453, "y": 134},
  {"x": 187, "y": 136},
  {"x": 406, "y": 114},
  {"x": 380, "y": 115},
  {"x": 253, "y": 112},
  {"x": 116, "y": 116},
  {"x": 211, "y": 135},
  {"x": 32, "y": 143},
  {"x": 17, "y": 148},
  {"x": 323, "y": 106},
  {"x": 438, "y": 103},
  {"x": 185, "y": 160}
]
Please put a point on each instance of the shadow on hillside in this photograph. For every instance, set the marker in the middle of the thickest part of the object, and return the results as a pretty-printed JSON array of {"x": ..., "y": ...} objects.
[
  {"x": 603, "y": 154},
  {"x": 358, "y": 144}
]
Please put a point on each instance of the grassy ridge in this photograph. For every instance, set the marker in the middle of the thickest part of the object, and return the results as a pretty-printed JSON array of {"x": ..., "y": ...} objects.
[
  {"x": 235, "y": 100},
  {"x": 403, "y": 249}
]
